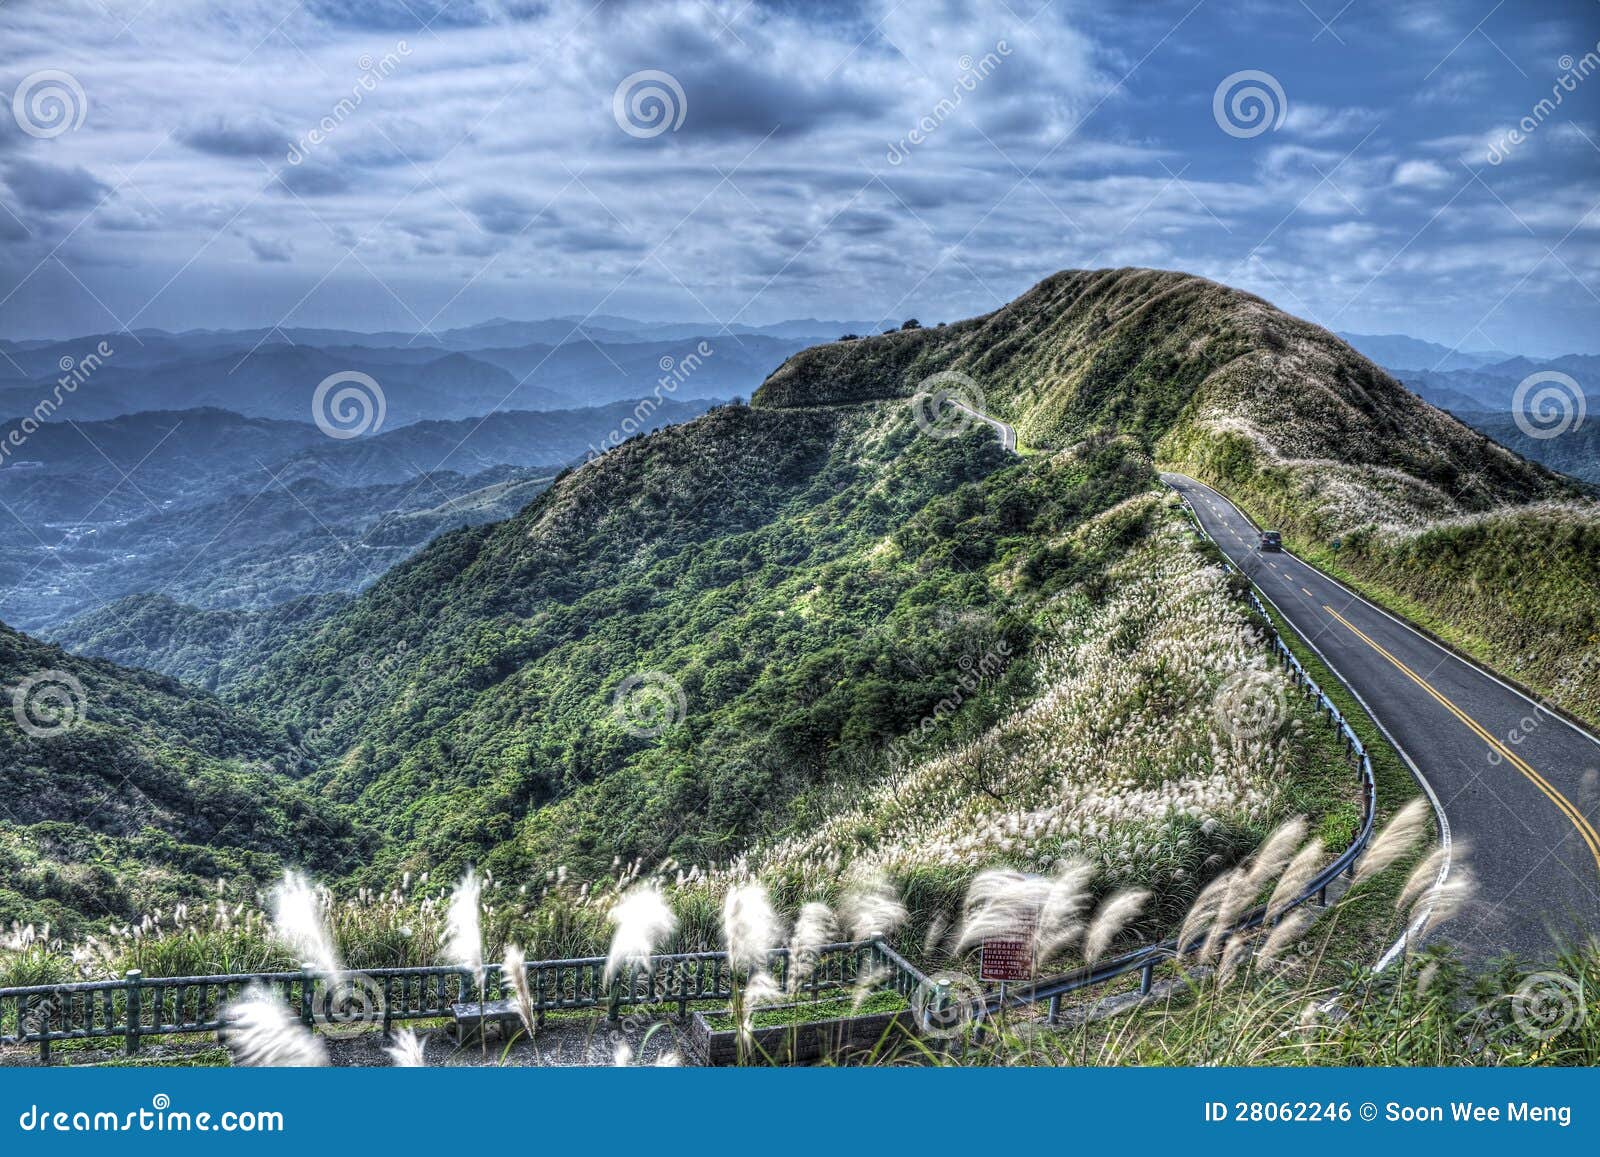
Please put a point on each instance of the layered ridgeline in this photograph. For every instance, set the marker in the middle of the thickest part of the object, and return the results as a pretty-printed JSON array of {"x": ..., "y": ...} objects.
[
  {"x": 823, "y": 633},
  {"x": 1497, "y": 554},
  {"x": 807, "y": 642}
]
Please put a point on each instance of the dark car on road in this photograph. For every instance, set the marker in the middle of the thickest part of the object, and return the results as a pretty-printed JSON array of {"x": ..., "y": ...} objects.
[{"x": 1270, "y": 540}]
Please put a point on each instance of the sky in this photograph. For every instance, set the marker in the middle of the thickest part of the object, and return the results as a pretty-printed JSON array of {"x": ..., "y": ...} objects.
[{"x": 422, "y": 164}]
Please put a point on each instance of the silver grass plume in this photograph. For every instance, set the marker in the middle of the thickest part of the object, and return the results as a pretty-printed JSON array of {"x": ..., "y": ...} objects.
[
  {"x": 1114, "y": 915},
  {"x": 1295, "y": 877},
  {"x": 1198, "y": 919},
  {"x": 1002, "y": 904},
  {"x": 871, "y": 907},
  {"x": 1286, "y": 932},
  {"x": 1398, "y": 837},
  {"x": 1425, "y": 876},
  {"x": 1061, "y": 916},
  {"x": 297, "y": 921},
  {"x": 514, "y": 971},
  {"x": 815, "y": 927},
  {"x": 1274, "y": 854},
  {"x": 406, "y": 1051},
  {"x": 749, "y": 926},
  {"x": 260, "y": 1032},
  {"x": 464, "y": 935},
  {"x": 643, "y": 923}
]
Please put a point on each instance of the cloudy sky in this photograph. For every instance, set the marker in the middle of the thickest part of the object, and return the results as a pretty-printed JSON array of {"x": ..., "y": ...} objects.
[{"x": 418, "y": 164}]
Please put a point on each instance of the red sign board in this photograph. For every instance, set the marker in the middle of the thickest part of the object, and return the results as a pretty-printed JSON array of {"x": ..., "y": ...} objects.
[{"x": 1006, "y": 960}]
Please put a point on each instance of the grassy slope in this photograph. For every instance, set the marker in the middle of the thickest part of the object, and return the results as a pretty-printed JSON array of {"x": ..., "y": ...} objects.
[
  {"x": 154, "y": 794},
  {"x": 1499, "y": 554},
  {"x": 812, "y": 579}
]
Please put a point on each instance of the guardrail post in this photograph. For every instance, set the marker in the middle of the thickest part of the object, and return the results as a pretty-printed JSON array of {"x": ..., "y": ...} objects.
[
  {"x": 1146, "y": 975},
  {"x": 130, "y": 1041},
  {"x": 307, "y": 993},
  {"x": 1055, "y": 1010},
  {"x": 614, "y": 998}
]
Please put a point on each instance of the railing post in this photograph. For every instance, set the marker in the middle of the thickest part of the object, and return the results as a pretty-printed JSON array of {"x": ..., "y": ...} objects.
[
  {"x": 1055, "y": 1010},
  {"x": 130, "y": 1042},
  {"x": 614, "y": 997},
  {"x": 307, "y": 993},
  {"x": 1146, "y": 975}
]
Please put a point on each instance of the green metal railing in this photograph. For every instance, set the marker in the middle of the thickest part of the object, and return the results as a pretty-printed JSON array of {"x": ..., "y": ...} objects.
[{"x": 135, "y": 1007}]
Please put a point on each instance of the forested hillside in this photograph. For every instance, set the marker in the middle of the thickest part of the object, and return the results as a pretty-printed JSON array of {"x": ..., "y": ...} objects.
[{"x": 1360, "y": 473}]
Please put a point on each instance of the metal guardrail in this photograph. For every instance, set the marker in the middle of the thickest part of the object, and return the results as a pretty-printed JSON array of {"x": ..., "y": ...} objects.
[
  {"x": 135, "y": 1007},
  {"x": 1145, "y": 960}
]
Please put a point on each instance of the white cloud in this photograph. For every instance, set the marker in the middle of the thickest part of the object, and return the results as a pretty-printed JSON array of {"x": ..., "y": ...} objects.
[{"x": 1421, "y": 174}]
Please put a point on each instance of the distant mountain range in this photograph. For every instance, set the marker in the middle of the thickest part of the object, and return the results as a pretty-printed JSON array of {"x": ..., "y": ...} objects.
[{"x": 1480, "y": 388}]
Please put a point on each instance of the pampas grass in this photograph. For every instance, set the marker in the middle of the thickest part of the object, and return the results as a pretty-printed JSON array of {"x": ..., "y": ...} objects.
[
  {"x": 1114, "y": 915},
  {"x": 464, "y": 931},
  {"x": 406, "y": 1050},
  {"x": 643, "y": 923},
  {"x": 815, "y": 927},
  {"x": 260, "y": 1032},
  {"x": 514, "y": 971},
  {"x": 297, "y": 921},
  {"x": 1398, "y": 837}
]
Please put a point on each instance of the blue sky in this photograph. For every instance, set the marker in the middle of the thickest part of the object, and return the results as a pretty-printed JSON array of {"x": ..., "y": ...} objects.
[{"x": 486, "y": 168}]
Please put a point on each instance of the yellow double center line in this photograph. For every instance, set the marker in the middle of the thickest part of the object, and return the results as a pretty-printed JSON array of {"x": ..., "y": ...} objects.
[{"x": 1579, "y": 821}]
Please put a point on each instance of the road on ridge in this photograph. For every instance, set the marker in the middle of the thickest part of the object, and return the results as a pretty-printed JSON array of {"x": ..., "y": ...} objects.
[
  {"x": 1008, "y": 433},
  {"x": 1519, "y": 785}
]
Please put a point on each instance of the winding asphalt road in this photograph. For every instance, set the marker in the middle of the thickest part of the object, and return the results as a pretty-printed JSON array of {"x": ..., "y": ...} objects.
[
  {"x": 1008, "y": 435},
  {"x": 1518, "y": 785}
]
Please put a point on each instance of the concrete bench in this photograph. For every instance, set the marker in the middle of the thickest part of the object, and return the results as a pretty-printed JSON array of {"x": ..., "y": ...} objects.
[{"x": 472, "y": 1014}]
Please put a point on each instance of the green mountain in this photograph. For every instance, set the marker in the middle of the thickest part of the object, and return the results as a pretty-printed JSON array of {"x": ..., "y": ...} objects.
[
  {"x": 122, "y": 790},
  {"x": 836, "y": 628},
  {"x": 1363, "y": 476}
]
